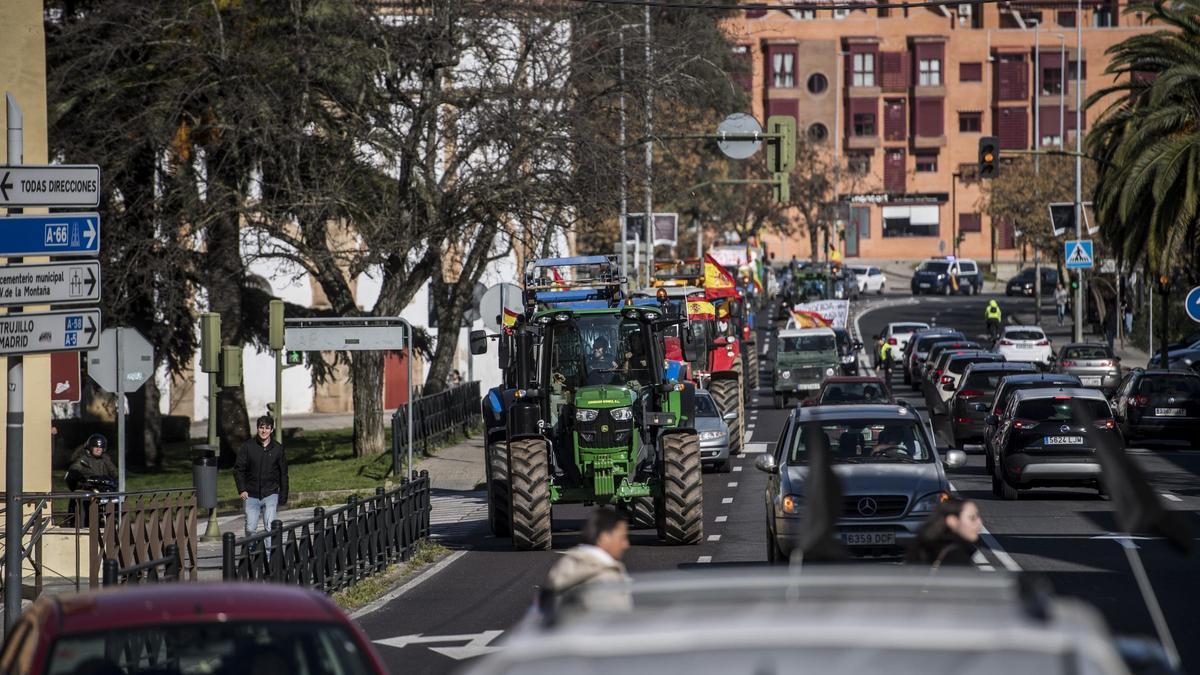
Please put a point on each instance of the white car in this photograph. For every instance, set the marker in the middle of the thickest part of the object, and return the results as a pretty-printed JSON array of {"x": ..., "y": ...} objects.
[
  {"x": 1024, "y": 343},
  {"x": 870, "y": 279},
  {"x": 898, "y": 333}
]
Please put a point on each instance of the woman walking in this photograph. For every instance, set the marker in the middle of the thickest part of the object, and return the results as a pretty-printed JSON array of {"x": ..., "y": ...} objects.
[{"x": 949, "y": 536}]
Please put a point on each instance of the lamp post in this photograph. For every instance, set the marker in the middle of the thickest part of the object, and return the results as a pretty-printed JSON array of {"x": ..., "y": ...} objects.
[{"x": 1078, "y": 332}]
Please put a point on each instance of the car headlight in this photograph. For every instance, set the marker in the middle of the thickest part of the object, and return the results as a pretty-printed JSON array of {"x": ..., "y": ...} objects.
[
  {"x": 941, "y": 276},
  {"x": 793, "y": 505},
  {"x": 586, "y": 415},
  {"x": 711, "y": 435},
  {"x": 847, "y": 359},
  {"x": 929, "y": 502},
  {"x": 621, "y": 414},
  {"x": 785, "y": 374},
  {"x": 829, "y": 372}
]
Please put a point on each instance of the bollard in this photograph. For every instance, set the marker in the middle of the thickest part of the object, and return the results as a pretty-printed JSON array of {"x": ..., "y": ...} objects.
[
  {"x": 110, "y": 573},
  {"x": 228, "y": 542},
  {"x": 173, "y": 563},
  {"x": 276, "y": 560}
]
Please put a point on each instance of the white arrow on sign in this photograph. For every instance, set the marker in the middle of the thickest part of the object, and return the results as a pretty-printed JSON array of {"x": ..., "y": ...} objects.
[
  {"x": 477, "y": 644},
  {"x": 90, "y": 232}
]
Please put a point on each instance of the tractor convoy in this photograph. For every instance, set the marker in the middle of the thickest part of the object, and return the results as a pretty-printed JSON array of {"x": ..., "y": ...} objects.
[{"x": 598, "y": 404}]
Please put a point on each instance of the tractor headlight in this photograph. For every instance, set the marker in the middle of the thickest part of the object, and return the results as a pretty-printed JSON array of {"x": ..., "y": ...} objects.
[
  {"x": 829, "y": 372},
  {"x": 711, "y": 435},
  {"x": 586, "y": 415},
  {"x": 786, "y": 374},
  {"x": 620, "y": 414}
]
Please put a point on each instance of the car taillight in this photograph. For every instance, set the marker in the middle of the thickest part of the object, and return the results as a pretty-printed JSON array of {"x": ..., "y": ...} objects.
[
  {"x": 1007, "y": 343},
  {"x": 1068, "y": 364},
  {"x": 891, "y": 341},
  {"x": 970, "y": 393},
  {"x": 1106, "y": 363},
  {"x": 1139, "y": 401},
  {"x": 964, "y": 420},
  {"x": 999, "y": 409},
  {"x": 1024, "y": 424},
  {"x": 1105, "y": 424},
  {"x": 947, "y": 380},
  {"x": 1043, "y": 343},
  {"x": 937, "y": 372}
]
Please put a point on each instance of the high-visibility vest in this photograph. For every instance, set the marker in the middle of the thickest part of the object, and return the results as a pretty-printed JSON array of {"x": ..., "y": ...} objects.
[
  {"x": 885, "y": 350},
  {"x": 993, "y": 312}
]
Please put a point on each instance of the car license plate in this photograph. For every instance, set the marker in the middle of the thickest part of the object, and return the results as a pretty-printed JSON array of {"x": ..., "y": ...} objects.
[
  {"x": 869, "y": 538},
  {"x": 1091, "y": 381},
  {"x": 810, "y": 385},
  {"x": 1170, "y": 412},
  {"x": 923, "y": 285},
  {"x": 1062, "y": 440}
]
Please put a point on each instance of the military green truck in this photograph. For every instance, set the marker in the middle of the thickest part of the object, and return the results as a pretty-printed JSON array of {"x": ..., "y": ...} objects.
[{"x": 803, "y": 359}]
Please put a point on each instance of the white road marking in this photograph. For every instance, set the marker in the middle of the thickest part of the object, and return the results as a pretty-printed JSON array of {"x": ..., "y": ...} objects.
[
  {"x": 721, "y": 519},
  {"x": 733, "y": 483},
  {"x": 737, "y": 468},
  {"x": 727, "y": 500},
  {"x": 714, "y": 537},
  {"x": 1174, "y": 498},
  {"x": 704, "y": 559},
  {"x": 754, "y": 448},
  {"x": 477, "y": 644}
]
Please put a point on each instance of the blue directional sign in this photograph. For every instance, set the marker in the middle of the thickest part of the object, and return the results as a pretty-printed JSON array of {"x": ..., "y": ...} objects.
[
  {"x": 1078, "y": 254},
  {"x": 1192, "y": 304},
  {"x": 59, "y": 234}
]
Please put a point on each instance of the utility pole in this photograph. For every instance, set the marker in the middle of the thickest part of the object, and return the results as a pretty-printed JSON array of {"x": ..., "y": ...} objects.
[
  {"x": 1078, "y": 332},
  {"x": 14, "y": 464},
  {"x": 624, "y": 177},
  {"x": 648, "y": 217}
]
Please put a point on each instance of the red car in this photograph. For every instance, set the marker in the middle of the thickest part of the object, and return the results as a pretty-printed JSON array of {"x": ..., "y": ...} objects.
[
  {"x": 856, "y": 389},
  {"x": 188, "y": 628}
]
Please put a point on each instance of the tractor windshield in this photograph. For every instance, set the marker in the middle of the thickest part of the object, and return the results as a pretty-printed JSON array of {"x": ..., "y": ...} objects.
[{"x": 599, "y": 349}]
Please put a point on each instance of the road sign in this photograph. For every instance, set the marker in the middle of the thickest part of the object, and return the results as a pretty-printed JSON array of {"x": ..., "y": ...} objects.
[
  {"x": 57, "y": 234},
  {"x": 43, "y": 332},
  {"x": 1192, "y": 304},
  {"x": 50, "y": 283},
  {"x": 500, "y": 306},
  {"x": 344, "y": 334},
  {"x": 739, "y": 124},
  {"x": 53, "y": 185},
  {"x": 1108, "y": 265},
  {"x": 136, "y": 358},
  {"x": 64, "y": 377},
  {"x": 666, "y": 228},
  {"x": 1078, "y": 254}
]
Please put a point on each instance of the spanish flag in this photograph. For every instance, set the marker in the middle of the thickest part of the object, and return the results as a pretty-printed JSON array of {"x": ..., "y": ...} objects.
[
  {"x": 718, "y": 282},
  {"x": 510, "y": 318},
  {"x": 699, "y": 310}
]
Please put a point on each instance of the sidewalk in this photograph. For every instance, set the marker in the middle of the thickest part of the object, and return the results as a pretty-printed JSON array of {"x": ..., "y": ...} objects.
[{"x": 308, "y": 421}]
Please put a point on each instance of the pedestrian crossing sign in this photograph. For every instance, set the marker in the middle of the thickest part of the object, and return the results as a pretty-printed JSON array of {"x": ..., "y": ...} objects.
[{"x": 1078, "y": 254}]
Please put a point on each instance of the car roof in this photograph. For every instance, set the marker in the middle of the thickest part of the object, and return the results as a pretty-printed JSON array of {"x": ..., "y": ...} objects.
[
  {"x": 1050, "y": 392},
  {"x": 1084, "y": 344},
  {"x": 988, "y": 366},
  {"x": 855, "y": 413},
  {"x": 974, "y": 353},
  {"x": 1023, "y": 327},
  {"x": 1050, "y": 378},
  {"x": 796, "y": 332},
  {"x": 1162, "y": 373},
  {"x": 853, "y": 379},
  {"x": 198, "y": 602}
]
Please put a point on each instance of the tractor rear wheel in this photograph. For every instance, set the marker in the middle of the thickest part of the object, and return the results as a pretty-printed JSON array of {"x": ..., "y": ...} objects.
[
  {"x": 727, "y": 394},
  {"x": 498, "y": 495},
  {"x": 683, "y": 489},
  {"x": 530, "y": 480}
]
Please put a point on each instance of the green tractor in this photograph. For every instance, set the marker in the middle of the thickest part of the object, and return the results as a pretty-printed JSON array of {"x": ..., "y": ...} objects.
[{"x": 594, "y": 421}]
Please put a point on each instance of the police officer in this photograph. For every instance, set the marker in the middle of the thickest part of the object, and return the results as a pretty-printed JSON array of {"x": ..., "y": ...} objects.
[
  {"x": 90, "y": 463},
  {"x": 992, "y": 312},
  {"x": 885, "y": 361}
]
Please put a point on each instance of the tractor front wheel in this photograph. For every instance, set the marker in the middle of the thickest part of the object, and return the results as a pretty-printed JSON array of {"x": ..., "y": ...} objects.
[
  {"x": 498, "y": 495},
  {"x": 728, "y": 396},
  {"x": 530, "y": 494},
  {"x": 641, "y": 513},
  {"x": 682, "y": 519},
  {"x": 752, "y": 364}
]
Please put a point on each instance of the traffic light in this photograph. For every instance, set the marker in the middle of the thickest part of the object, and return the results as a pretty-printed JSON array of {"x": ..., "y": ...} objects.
[
  {"x": 781, "y": 188},
  {"x": 295, "y": 358},
  {"x": 989, "y": 157},
  {"x": 275, "y": 327},
  {"x": 231, "y": 367},
  {"x": 1074, "y": 283},
  {"x": 210, "y": 342},
  {"x": 781, "y": 150},
  {"x": 1164, "y": 284}
]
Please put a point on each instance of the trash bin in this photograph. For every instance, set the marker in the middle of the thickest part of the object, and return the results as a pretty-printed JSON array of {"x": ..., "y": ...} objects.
[{"x": 204, "y": 477}]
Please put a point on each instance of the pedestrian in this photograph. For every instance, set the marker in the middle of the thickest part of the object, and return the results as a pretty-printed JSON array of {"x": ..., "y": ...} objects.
[
  {"x": 454, "y": 379},
  {"x": 1110, "y": 325},
  {"x": 261, "y": 474},
  {"x": 1128, "y": 316},
  {"x": 596, "y": 559},
  {"x": 949, "y": 536},
  {"x": 1061, "y": 297},
  {"x": 876, "y": 357}
]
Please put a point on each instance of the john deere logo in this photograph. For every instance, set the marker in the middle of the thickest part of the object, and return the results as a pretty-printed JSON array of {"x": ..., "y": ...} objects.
[{"x": 603, "y": 427}]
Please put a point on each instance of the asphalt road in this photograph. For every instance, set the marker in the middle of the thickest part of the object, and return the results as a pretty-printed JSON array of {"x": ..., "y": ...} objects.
[{"x": 465, "y": 608}]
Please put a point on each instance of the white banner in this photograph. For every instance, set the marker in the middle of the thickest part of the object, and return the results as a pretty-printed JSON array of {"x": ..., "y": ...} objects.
[{"x": 835, "y": 311}]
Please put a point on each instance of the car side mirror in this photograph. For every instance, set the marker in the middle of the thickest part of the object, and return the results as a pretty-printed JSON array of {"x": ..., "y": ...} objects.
[
  {"x": 991, "y": 420},
  {"x": 954, "y": 459},
  {"x": 980, "y": 407},
  {"x": 729, "y": 416},
  {"x": 479, "y": 340},
  {"x": 766, "y": 463}
]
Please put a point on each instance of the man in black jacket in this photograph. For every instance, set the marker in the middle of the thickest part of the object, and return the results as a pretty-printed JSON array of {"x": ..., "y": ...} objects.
[{"x": 261, "y": 474}]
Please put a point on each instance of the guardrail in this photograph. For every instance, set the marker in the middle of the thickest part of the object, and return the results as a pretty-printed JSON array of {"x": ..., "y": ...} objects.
[
  {"x": 434, "y": 418},
  {"x": 336, "y": 548}
]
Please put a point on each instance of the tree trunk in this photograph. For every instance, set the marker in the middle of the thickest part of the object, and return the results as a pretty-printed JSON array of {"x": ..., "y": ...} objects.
[
  {"x": 151, "y": 423},
  {"x": 366, "y": 375},
  {"x": 812, "y": 242}
]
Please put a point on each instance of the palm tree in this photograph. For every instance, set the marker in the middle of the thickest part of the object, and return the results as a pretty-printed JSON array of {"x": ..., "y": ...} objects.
[{"x": 1147, "y": 141}]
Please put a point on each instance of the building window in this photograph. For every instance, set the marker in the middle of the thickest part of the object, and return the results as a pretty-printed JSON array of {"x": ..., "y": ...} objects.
[
  {"x": 817, "y": 133},
  {"x": 858, "y": 163},
  {"x": 802, "y": 13},
  {"x": 910, "y": 221},
  {"x": 970, "y": 222},
  {"x": 864, "y": 124},
  {"x": 927, "y": 162},
  {"x": 817, "y": 83},
  {"x": 1051, "y": 81},
  {"x": 864, "y": 70},
  {"x": 929, "y": 72},
  {"x": 970, "y": 122},
  {"x": 1071, "y": 70},
  {"x": 970, "y": 72},
  {"x": 841, "y": 13},
  {"x": 1051, "y": 141},
  {"x": 1066, "y": 19},
  {"x": 783, "y": 66}
]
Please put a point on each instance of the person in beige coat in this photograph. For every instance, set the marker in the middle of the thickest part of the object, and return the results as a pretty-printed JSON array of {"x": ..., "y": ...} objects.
[{"x": 596, "y": 559}]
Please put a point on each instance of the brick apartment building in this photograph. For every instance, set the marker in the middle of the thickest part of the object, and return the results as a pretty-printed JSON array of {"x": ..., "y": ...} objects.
[{"x": 905, "y": 95}]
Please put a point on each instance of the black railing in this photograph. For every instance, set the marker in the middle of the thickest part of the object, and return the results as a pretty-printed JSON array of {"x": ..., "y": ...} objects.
[
  {"x": 435, "y": 417},
  {"x": 336, "y": 548},
  {"x": 167, "y": 568}
]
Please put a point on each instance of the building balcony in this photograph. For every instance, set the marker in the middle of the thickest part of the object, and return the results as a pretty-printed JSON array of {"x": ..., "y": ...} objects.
[
  {"x": 928, "y": 142},
  {"x": 863, "y": 92},
  {"x": 862, "y": 142}
]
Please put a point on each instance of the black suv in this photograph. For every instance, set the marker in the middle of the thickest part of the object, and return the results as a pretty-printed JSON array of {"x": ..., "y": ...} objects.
[
  {"x": 979, "y": 383},
  {"x": 1004, "y": 393},
  {"x": 1022, "y": 284},
  {"x": 918, "y": 348},
  {"x": 1041, "y": 441},
  {"x": 1161, "y": 404}
]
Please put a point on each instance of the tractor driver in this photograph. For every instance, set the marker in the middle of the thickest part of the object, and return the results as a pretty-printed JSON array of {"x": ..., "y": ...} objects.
[{"x": 600, "y": 362}]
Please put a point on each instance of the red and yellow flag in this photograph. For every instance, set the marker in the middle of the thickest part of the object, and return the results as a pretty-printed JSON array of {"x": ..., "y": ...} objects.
[
  {"x": 718, "y": 282},
  {"x": 699, "y": 310}
]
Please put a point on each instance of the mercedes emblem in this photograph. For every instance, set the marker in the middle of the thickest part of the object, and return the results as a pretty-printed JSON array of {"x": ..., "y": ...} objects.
[{"x": 867, "y": 506}]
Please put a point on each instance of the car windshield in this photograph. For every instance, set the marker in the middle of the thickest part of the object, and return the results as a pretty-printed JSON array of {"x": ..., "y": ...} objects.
[
  {"x": 1178, "y": 386},
  {"x": 1087, "y": 352},
  {"x": 957, "y": 366},
  {"x": 857, "y": 392},
  {"x": 986, "y": 381},
  {"x": 226, "y": 647},
  {"x": 935, "y": 266},
  {"x": 926, "y": 342},
  {"x": 705, "y": 407},
  {"x": 906, "y": 327},
  {"x": 1025, "y": 335},
  {"x": 807, "y": 343},
  {"x": 1060, "y": 409},
  {"x": 864, "y": 442}
]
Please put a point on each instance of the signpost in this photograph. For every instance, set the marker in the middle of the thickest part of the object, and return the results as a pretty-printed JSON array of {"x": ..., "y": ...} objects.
[
  {"x": 1192, "y": 304},
  {"x": 1078, "y": 254},
  {"x": 54, "y": 235},
  {"x": 123, "y": 363},
  {"x": 53, "y": 185},
  {"x": 60, "y": 283}
]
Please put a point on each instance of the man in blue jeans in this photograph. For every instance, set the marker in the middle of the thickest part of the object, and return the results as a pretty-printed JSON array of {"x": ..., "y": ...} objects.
[{"x": 261, "y": 475}]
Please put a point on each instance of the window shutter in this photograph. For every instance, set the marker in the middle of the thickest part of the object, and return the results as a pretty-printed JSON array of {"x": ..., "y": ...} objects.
[
  {"x": 755, "y": 13},
  {"x": 1013, "y": 128},
  {"x": 970, "y": 72},
  {"x": 1012, "y": 81},
  {"x": 929, "y": 117},
  {"x": 895, "y": 127},
  {"x": 1048, "y": 120},
  {"x": 970, "y": 222},
  {"x": 893, "y": 170},
  {"x": 784, "y": 106},
  {"x": 892, "y": 71}
]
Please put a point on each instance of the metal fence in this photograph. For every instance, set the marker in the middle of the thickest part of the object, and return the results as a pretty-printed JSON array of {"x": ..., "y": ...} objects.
[
  {"x": 435, "y": 417},
  {"x": 167, "y": 568},
  {"x": 336, "y": 548}
]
